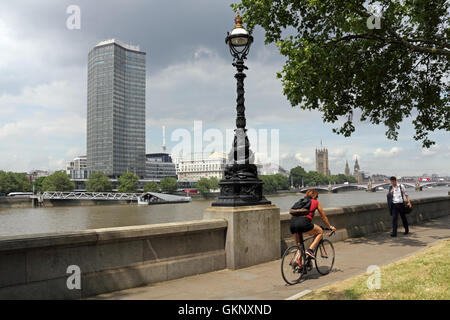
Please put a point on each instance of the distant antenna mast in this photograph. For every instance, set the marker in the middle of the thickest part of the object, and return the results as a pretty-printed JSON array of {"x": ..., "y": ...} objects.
[{"x": 164, "y": 139}]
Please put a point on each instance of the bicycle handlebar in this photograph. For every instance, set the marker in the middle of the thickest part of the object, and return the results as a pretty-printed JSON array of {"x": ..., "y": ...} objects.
[{"x": 331, "y": 233}]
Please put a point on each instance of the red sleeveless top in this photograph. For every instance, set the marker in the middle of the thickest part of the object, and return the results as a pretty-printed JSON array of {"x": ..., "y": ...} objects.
[{"x": 312, "y": 209}]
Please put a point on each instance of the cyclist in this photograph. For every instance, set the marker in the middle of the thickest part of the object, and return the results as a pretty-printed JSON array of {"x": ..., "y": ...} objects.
[{"x": 301, "y": 221}]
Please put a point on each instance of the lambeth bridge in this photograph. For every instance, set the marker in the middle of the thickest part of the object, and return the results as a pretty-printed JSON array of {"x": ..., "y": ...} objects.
[{"x": 371, "y": 186}]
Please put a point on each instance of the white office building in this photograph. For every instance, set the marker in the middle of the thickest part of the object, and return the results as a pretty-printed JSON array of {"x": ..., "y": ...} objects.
[
  {"x": 78, "y": 163},
  {"x": 195, "y": 167},
  {"x": 77, "y": 168}
]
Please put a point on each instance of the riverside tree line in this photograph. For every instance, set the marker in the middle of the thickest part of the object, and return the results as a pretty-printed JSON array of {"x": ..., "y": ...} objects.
[
  {"x": 300, "y": 177},
  {"x": 128, "y": 182},
  {"x": 97, "y": 182}
]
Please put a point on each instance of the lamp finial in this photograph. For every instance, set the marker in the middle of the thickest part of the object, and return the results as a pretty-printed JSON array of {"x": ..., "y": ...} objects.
[{"x": 238, "y": 22}]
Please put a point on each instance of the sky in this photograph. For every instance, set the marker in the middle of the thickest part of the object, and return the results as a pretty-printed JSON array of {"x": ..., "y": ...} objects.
[{"x": 43, "y": 87}]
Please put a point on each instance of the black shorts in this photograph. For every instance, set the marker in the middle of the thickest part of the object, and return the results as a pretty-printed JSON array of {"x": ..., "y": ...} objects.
[{"x": 301, "y": 224}]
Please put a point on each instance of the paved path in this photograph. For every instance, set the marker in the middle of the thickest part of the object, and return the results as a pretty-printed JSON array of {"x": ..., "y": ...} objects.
[{"x": 264, "y": 281}]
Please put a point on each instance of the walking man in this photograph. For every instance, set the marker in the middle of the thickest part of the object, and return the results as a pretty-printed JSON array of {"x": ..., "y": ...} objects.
[{"x": 396, "y": 197}]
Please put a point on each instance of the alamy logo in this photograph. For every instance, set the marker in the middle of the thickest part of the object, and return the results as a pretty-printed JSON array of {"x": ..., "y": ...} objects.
[
  {"x": 374, "y": 21},
  {"x": 374, "y": 281},
  {"x": 74, "y": 20},
  {"x": 218, "y": 141},
  {"x": 74, "y": 280}
]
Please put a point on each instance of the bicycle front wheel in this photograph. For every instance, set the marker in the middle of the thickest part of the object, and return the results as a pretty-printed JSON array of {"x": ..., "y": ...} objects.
[
  {"x": 293, "y": 265},
  {"x": 324, "y": 257}
]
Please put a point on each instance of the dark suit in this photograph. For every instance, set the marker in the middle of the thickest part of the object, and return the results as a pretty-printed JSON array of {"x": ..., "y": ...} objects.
[{"x": 389, "y": 201}]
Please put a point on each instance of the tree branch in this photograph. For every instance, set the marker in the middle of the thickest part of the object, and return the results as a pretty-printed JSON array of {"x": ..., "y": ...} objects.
[
  {"x": 441, "y": 50},
  {"x": 443, "y": 45},
  {"x": 397, "y": 41}
]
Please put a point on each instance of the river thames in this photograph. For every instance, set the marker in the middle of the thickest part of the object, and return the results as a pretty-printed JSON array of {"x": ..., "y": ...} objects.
[{"x": 25, "y": 221}]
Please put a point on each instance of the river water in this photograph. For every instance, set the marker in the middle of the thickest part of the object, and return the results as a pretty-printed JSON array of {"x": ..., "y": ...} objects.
[{"x": 23, "y": 221}]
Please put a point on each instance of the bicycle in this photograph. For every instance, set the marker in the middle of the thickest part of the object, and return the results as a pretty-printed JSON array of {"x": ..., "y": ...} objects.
[{"x": 294, "y": 265}]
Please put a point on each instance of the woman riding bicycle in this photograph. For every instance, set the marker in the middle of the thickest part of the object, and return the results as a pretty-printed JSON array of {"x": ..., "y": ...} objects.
[{"x": 301, "y": 221}]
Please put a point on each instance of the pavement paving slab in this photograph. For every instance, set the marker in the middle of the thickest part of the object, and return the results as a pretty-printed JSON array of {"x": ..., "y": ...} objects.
[{"x": 264, "y": 281}]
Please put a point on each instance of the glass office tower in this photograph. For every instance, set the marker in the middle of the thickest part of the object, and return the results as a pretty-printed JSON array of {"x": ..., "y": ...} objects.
[{"x": 116, "y": 109}]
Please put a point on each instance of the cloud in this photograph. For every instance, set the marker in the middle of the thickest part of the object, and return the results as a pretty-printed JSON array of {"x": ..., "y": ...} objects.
[
  {"x": 339, "y": 152},
  {"x": 289, "y": 160},
  {"x": 203, "y": 87},
  {"x": 39, "y": 141},
  {"x": 43, "y": 84},
  {"x": 431, "y": 151},
  {"x": 57, "y": 95},
  {"x": 380, "y": 153},
  {"x": 302, "y": 159},
  {"x": 39, "y": 127}
]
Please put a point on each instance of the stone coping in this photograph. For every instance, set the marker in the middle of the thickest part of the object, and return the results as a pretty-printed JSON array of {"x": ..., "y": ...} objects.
[
  {"x": 93, "y": 236},
  {"x": 366, "y": 207},
  {"x": 241, "y": 208}
]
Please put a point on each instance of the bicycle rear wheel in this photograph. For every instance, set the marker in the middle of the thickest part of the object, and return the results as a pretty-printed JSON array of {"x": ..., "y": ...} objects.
[
  {"x": 324, "y": 257},
  {"x": 292, "y": 266}
]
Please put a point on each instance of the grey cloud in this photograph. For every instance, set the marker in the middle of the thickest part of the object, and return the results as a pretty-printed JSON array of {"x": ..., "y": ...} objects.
[{"x": 41, "y": 52}]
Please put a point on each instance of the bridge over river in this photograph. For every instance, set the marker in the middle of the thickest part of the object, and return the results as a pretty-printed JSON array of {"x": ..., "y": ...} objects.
[
  {"x": 371, "y": 186},
  {"x": 54, "y": 195}
]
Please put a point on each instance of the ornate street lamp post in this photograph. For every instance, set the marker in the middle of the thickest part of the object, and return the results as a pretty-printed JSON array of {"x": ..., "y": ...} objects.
[{"x": 240, "y": 185}]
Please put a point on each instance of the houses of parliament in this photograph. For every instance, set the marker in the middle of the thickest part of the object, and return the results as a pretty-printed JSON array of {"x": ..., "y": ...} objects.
[{"x": 323, "y": 167}]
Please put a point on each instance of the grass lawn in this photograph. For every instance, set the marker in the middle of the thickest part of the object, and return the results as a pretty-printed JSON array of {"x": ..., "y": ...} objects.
[{"x": 423, "y": 276}]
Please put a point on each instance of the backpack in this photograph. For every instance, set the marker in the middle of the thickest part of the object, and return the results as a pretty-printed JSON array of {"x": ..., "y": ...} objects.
[{"x": 304, "y": 205}]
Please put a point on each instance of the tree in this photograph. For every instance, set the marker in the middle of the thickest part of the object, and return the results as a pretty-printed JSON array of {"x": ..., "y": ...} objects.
[
  {"x": 128, "y": 183},
  {"x": 205, "y": 185},
  {"x": 274, "y": 182},
  {"x": 281, "y": 181},
  {"x": 169, "y": 184},
  {"x": 3, "y": 182},
  {"x": 341, "y": 63},
  {"x": 38, "y": 184},
  {"x": 99, "y": 182},
  {"x": 22, "y": 181},
  {"x": 314, "y": 178},
  {"x": 214, "y": 183},
  {"x": 58, "y": 181},
  {"x": 14, "y": 182},
  {"x": 332, "y": 179},
  {"x": 270, "y": 184},
  {"x": 151, "y": 186},
  {"x": 297, "y": 175}
]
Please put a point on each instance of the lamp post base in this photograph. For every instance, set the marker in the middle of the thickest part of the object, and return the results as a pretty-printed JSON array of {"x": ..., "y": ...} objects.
[{"x": 240, "y": 187}]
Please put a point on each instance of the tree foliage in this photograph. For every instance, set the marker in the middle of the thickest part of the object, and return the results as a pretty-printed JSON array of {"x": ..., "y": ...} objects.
[
  {"x": 297, "y": 176},
  {"x": 128, "y": 183},
  {"x": 214, "y": 183},
  {"x": 98, "y": 182},
  {"x": 38, "y": 184},
  {"x": 205, "y": 185},
  {"x": 169, "y": 184},
  {"x": 274, "y": 182},
  {"x": 340, "y": 63},
  {"x": 14, "y": 182},
  {"x": 151, "y": 186},
  {"x": 314, "y": 178},
  {"x": 58, "y": 181}
]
